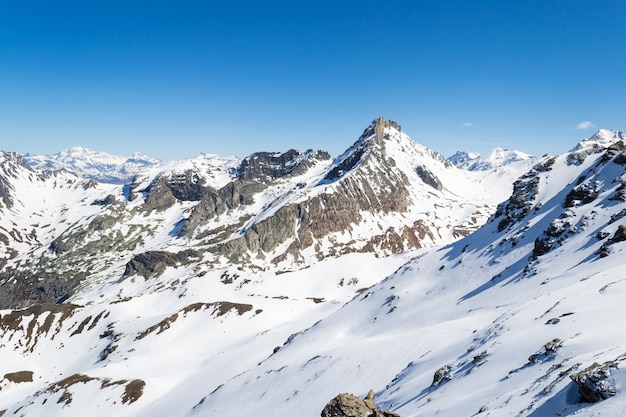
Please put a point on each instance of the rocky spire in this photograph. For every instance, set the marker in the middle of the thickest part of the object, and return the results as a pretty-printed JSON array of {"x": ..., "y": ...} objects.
[{"x": 379, "y": 126}]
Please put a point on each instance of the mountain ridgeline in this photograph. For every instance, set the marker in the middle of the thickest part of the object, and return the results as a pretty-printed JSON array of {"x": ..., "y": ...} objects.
[
  {"x": 385, "y": 194},
  {"x": 282, "y": 282}
]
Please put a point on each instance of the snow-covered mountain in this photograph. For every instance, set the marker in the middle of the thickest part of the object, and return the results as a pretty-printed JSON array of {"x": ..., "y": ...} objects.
[
  {"x": 99, "y": 166},
  {"x": 496, "y": 158},
  {"x": 270, "y": 285}
]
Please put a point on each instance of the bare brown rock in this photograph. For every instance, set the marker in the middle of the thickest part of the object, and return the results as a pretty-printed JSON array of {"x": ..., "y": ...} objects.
[{"x": 349, "y": 405}]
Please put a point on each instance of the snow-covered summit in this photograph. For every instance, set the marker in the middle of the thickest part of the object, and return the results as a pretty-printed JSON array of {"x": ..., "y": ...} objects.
[
  {"x": 87, "y": 163},
  {"x": 603, "y": 138},
  {"x": 496, "y": 158},
  {"x": 261, "y": 286},
  {"x": 462, "y": 159}
]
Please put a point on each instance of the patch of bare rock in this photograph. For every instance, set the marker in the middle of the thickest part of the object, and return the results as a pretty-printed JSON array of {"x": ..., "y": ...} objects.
[{"x": 349, "y": 405}]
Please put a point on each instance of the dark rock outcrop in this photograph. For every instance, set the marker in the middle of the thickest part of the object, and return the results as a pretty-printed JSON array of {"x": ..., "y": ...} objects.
[
  {"x": 215, "y": 203},
  {"x": 159, "y": 196},
  {"x": 442, "y": 375},
  {"x": 582, "y": 194},
  {"x": 268, "y": 166},
  {"x": 548, "y": 352},
  {"x": 551, "y": 237},
  {"x": 153, "y": 263},
  {"x": 619, "y": 236},
  {"x": 349, "y": 405},
  {"x": 11, "y": 163},
  {"x": 39, "y": 286},
  {"x": 165, "y": 190},
  {"x": 596, "y": 383},
  {"x": 374, "y": 185},
  {"x": 521, "y": 201},
  {"x": 429, "y": 178}
]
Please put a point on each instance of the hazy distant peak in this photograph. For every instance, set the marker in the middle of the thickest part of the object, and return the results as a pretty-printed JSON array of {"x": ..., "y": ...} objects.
[
  {"x": 462, "y": 159},
  {"x": 87, "y": 163},
  {"x": 497, "y": 157}
]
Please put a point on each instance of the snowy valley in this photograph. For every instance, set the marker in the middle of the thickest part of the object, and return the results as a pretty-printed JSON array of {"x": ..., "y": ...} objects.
[{"x": 470, "y": 286}]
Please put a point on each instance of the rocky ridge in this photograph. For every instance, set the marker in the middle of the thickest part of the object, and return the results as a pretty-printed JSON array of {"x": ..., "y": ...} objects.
[
  {"x": 386, "y": 194},
  {"x": 490, "y": 323}
]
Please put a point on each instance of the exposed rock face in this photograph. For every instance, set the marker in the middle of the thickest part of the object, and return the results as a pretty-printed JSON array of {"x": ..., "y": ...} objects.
[
  {"x": 10, "y": 164},
  {"x": 40, "y": 286},
  {"x": 525, "y": 191},
  {"x": 33, "y": 322},
  {"x": 152, "y": 264},
  {"x": 596, "y": 383},
  {"x": 429, "y": 178},
  {"x": 551, "y": 237},
  {"x": 349, "y": 405},
  {"x": 18, "y": 377},
  {"x": 442, "y": 375},
  {"x": 519, "y": 204},
  {"x": 365, "y": 179},
  {"x": 603, "y": 139},
  {"x": 256, "y": 173},
  {"x": 619, "y": 236},
  {"x": 267, "y": 166},
  {"x": 165, "y": 190},
  {"x": 548, "y": 352},
  {"x": 384, "y": 194},
  {"x": 215, "y": 203},
  {"x": 65, "y": 243},
  {"x": 582, "y": 194},
  {"x": 620, "y": 193}
]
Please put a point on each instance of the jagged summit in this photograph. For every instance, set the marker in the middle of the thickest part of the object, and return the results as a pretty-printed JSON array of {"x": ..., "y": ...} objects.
[
  {"x": 603, "y": 138},
  {"x": 385, "y": 194},
  {"x": 259, "y": 286},
  {"x": 379, "y": 125}
]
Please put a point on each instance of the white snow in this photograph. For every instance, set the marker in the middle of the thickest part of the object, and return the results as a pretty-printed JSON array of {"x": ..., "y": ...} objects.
[{"x": 352, "y": 323}]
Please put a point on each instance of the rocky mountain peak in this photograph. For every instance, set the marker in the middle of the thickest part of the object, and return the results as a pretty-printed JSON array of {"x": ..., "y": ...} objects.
[
  {"x": 607, "y": 136},
  {"x": 377, "y": 128},
  {"x": 600, "y": 141},
  {"x": 603, "y": 138},
  {"x": 268, "y": 288},
  {"x": 381, "y": 124}
]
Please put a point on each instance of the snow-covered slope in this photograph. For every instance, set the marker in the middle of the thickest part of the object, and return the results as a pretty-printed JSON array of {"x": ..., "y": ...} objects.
[
  {"x": 163, "y": 322},
  {"x": 99, "y": 166},
  {"x": 496, "y": 323}
]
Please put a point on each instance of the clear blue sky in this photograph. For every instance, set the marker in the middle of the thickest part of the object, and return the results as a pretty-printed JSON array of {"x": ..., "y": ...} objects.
[{"x": 173, "y": 79}]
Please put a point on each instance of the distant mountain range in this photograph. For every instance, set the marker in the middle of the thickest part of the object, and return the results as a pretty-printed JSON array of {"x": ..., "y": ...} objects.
[
  {"x": 474, "y": 285},
  {"x": 108, "y": 168},
  {"x": 497, "y": 158},
  {"x": 99, "y": 166}
]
